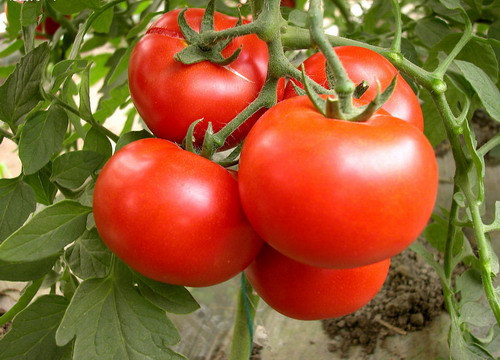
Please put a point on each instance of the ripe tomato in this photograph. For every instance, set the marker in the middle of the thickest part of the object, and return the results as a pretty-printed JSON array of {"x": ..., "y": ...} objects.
[
  {"x": 333, "y": 193},
  {"x": 305, "y": 292},
  {"x": 170, "y": 95},
  {"x": 172, "y": 215},
  {"x": 364, "y": 64}
]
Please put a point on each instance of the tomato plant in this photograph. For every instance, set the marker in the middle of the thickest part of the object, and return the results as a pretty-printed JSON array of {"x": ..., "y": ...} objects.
[
  {"x": 170, "y": 95},
  {"x": 363, "y": 64},
  {"x": 172, "y": 215},
  {"x": 330, "y": 181},
  {"x": 362, "y": 191},
  {"x": 305, "y": 292}
]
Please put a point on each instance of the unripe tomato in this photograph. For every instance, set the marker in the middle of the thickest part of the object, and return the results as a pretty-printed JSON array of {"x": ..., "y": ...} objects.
[
  {"x": 364, "y": 64},
  {"x": 170, "y": 95},
  {"x": 172, "y": 215},
  {"x": 305, "y": 292},
  {"x": 334, "y": 193}
]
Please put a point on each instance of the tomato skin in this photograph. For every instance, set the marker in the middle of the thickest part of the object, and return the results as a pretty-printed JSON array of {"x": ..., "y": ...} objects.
[
  {"x": 305, "y": 292},
  {"x": 364, "y": 64},
  {"x": 170, "y": 95},
  {"x": 333, "y": 193},
  {"x": 172, "y": 215}
]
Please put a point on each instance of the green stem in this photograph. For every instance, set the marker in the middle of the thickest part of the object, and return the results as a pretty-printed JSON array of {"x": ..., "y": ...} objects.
[
  {"x": 450, "y": 237},
  {"x": 103, "y": 130},
  {"x": 265, "y": 99},
  {"x": 492, "y": 143},
  {"x": 484, "y": 255},
  {"x": 396, "y": 43},
  {"x": 294, "y": 38},
  {"x": 344, "y": 87},
  {"x": 28, "y": 295},
  {"x": 245, "y": 313},
  {"x": 462, "y": 182},
  {"x": 466, "y": 36},
  {"x": 211, "y": 37}
]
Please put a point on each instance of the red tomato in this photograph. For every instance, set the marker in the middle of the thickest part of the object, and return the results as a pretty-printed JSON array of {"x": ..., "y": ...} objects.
[
  {"x": 170, "y": 95},
  {"x": 49, "y": 26},
  {"x": 364, "y": 64},
  {"x": 334, "y": 193},
  {"x": 305, "y": 292},
  {"x": 172, "y": 215},
  {"x": 288, "y": 3}
]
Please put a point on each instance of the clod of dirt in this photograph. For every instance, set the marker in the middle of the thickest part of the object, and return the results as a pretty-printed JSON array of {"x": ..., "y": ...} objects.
[{"x": 410, "y": 298}]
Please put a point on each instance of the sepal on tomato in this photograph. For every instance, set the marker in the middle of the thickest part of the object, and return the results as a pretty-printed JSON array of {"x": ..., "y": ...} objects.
[{"x": 198, "y": 51}]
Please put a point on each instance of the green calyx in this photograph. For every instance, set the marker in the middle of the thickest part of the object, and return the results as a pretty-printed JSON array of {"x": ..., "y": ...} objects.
[
  {"x": 198, "y": 50},
  {"x": 335, "y": 108}
]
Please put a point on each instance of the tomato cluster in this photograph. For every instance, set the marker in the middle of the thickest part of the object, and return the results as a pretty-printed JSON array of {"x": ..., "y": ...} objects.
[{"x": 333, "y": 200}]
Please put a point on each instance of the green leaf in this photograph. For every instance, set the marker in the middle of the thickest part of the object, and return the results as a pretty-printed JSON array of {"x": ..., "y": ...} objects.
[
  {"x": 45, "y": 190},
  {"x": 98, "y": 69},
  {"x": 298, "y": 18},
  {"x": 94, "y": 42},
  {"x": 74, "y": 6},
  {"x": 64, "y": 69},
  {"x": 13, "y": 18},
  {"x": 131, "y": 136},
  {"x": 493, "y": 258},
  {"x": 5, "y": 71},
  {"x": 42, "y": 137},
  {"x": 26, "y": 271},
  {"x": 86, "y": 197},
  {"x": 21, "y": 91},
  {"x": 84, "y": 91},
  {"x": 470, "y": 286},
  {"x": 111, "y": 320},
  {"x": 70, "y": 170},
  {"x": 17, "y": 202},
  {"x": 107, "y": 106},
  {"x": 431, "y": 31},
  {"x": 119, "y": 71},
  {"x": 460, "y": 349},
  {"x": 48, "y": 232},
  {"x": 103, "y": 22},
  {"x": 171, "y": 298},
  {"x": 96, "y": 141},
  {"x": 88, "y": 257},
  {"x": 451, "y": 4},
  {"x": 30, "y": 11},
  {"x": 477, "y": 314},
  {"x": 11, "y": 48},
  {"x": 32, "y": 336},
  {"x": 137, "y": 29},
  {"x": 484, "y": 86},
  {"x": 435, "y": 234},
  {"x": 434, "y": 129},
  {"x": 429, "y": 258},
  {"x": 487, "y": 61}
]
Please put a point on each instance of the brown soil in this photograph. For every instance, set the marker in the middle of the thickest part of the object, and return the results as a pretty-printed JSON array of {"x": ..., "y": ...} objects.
[{"x": 410, "y": 298}]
